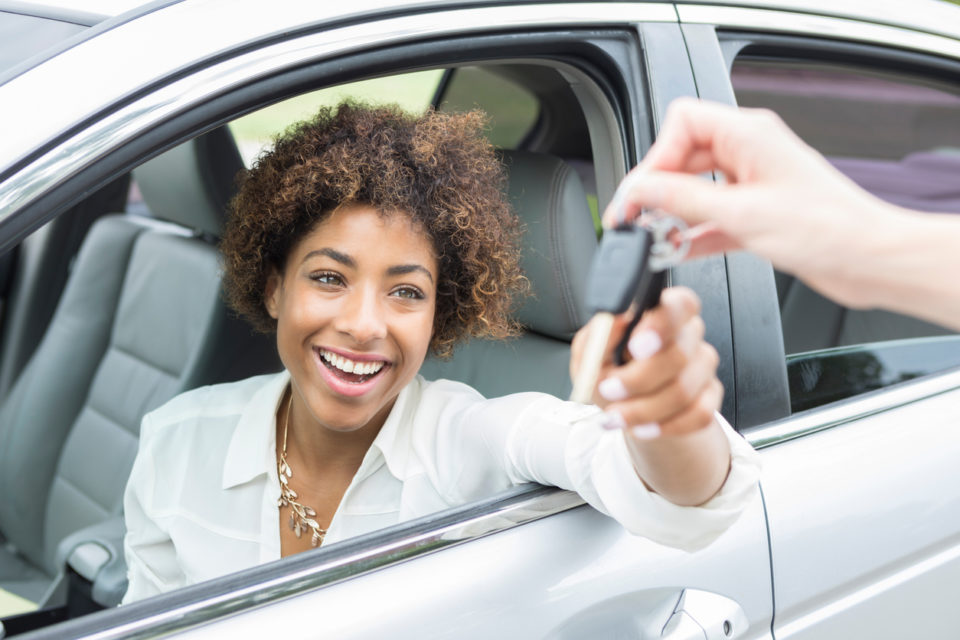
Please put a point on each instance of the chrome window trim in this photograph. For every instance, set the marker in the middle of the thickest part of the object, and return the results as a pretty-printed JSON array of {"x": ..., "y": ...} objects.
[
  {"x": 251, "y": 22},
  {"x": 796, "y": 23},
  {"x": 856, "y": 408},
  {"x": 344, "y": 561}
]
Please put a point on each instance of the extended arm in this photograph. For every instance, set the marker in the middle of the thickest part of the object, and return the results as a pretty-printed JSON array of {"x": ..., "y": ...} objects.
[{"x": 665, "y": 399}]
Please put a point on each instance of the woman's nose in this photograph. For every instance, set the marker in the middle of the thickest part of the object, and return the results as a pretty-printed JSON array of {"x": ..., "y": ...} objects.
[{"x": 362, "y": 317}]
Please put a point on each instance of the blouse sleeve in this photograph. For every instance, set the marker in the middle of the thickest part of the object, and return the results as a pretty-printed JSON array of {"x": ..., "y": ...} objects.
[
  {"x": 542, "y": 439},
  {"x": 152, "y": 565}
]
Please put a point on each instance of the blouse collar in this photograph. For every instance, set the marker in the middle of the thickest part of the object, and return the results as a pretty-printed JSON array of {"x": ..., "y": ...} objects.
[{"x": 252, "y": 449}]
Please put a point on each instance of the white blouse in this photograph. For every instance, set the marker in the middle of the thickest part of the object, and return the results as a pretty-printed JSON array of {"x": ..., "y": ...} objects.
[{"x": 202, "y": 497}]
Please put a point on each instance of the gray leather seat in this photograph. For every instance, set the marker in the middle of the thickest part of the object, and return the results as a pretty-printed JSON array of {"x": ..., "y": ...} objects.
[
  {"x": 140, "y": 320},
  {"x": 559, "y": 242}
]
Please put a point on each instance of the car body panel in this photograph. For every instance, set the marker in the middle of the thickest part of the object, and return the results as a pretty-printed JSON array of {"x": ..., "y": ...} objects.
[
  {"x": 864, "y": 521},
  {"x": 859, "y": 523}
]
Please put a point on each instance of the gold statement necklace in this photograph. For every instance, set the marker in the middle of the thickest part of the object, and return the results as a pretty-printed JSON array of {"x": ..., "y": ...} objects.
[{"x": 302, "y": 517}]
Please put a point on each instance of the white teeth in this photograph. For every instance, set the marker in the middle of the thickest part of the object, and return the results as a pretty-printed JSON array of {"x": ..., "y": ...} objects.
[{"x": 351, "y": 366}]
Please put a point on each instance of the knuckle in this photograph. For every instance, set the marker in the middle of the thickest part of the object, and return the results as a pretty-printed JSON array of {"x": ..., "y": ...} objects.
[
  {"x": 769, "y": 118},
  {"x": 698, "y": 327},
  {"x": 681, "y": 395},
  {"x": 711, "y": 355}
]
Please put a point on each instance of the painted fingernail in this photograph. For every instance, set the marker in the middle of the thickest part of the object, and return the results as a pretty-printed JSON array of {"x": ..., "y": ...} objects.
[
  {"x": 645, "y": 431},
  {"x": 644, "y": 344},
  {"x": 612, "y": 389},
  {"x": 613, "y": 420}
]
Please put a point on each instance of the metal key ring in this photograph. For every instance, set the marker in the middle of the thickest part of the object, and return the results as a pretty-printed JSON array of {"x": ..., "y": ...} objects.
[{"x": 666, "y": 229}]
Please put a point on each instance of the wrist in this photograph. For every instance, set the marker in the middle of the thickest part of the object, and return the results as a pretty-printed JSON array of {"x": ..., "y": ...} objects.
[{"x": 861, "y": 265}]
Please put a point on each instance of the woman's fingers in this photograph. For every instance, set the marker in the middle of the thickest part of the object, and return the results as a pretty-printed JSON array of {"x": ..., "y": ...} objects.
[
  {"x": 677, "y": 397},
  {"x": 579, "y": 342},
  {"x": 669, "y": 386},
  {"x": 698, "y": 415},
  {"x": 643, "y": 376}
]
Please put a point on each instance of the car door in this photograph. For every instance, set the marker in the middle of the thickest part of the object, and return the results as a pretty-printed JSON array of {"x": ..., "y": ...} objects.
[
  {"x": 860, "y": 481},
  {"x": 535, "y": 561}
]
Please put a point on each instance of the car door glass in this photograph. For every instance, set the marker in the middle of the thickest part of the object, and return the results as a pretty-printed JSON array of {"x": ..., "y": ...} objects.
[{"x": 897, "y": 135}]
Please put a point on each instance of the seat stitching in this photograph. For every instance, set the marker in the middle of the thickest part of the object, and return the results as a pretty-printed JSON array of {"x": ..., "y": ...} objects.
[
  {"x": 556, "y": 244},
  {"x": 114, "y": 421},
  {"x": 79, "y": 490},
  {"x": 133, "y": 356}
]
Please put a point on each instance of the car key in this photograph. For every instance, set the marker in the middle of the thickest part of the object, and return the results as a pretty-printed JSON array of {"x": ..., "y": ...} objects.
[{"x": 628, "y": 271}]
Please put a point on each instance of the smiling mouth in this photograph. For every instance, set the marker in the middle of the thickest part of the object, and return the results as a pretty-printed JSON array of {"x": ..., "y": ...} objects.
[{"x": 351, "y": 371}]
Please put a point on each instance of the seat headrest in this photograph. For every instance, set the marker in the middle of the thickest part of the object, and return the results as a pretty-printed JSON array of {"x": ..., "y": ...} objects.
[
  {"x": 192, "y": 183},
  {"x": 558, "y": 243}
]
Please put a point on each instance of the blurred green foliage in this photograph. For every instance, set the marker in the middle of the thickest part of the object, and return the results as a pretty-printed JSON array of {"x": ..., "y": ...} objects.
[{"x": 412, "y": 91}]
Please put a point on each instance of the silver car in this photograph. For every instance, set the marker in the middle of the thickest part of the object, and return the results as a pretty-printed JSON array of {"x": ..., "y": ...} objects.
[{"x": 123, "y": 126}]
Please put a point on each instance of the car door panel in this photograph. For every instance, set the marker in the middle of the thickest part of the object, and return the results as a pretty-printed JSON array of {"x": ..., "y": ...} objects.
[
  {"x": 548, "y": 578},
  {"x": 863, "y": 523}
]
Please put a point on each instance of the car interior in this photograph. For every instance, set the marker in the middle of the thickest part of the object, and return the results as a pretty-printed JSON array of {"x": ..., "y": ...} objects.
[{"x": 114, "y": 307}]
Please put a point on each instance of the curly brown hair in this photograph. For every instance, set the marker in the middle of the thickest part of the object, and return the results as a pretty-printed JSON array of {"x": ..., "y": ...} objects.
[{"x": 437, "y": 168}]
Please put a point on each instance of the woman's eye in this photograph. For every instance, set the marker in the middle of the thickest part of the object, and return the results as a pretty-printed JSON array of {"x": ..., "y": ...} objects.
[
  {"x": 409, "y": 293},
  {"x": 327, "y": 278}
]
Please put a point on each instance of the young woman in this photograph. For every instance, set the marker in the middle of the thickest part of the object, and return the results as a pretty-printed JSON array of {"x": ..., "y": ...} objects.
[{"x": 366, "y": 239}]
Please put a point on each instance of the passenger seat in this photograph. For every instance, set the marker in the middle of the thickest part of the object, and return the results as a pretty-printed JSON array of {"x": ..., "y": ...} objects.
[
  {"x": 141, "y": 319},
  {"x": 558, "y": 246}
]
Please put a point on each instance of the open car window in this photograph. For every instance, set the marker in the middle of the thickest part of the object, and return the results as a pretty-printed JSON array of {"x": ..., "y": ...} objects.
[{"x": 583, "y": 122}]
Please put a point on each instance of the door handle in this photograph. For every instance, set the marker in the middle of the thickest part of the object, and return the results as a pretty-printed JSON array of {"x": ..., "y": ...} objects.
[{"x": 701, "y": 615}]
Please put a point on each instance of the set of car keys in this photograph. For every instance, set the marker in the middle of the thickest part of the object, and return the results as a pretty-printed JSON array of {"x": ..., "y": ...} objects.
[{"x": 628, "y": 273}]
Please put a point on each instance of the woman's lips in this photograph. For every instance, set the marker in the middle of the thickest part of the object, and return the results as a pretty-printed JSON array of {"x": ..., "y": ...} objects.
[{"x": 349, "y": 376}]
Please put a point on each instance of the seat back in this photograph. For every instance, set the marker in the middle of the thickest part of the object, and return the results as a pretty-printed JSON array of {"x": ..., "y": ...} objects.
[
  {"x": 812, "y": 322},
  {"x": 141, "y": 320},
  {"x": 558, "y": 244}
]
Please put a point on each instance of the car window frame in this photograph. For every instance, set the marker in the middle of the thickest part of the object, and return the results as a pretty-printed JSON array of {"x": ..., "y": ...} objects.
[{"x": 627, "y": 99}]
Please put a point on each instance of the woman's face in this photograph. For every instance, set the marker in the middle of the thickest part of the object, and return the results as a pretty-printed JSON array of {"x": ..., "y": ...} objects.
[{"x": 354, "y": 309}]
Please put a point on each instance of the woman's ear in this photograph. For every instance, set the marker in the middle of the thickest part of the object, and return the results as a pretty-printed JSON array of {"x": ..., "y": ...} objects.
[{"x": 271, "y": 299}]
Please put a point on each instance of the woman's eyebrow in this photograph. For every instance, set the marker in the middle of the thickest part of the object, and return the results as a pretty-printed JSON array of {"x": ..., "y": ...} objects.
[
  {"x": 342, "y": 258},
  {"x": 402, "y": 269}
]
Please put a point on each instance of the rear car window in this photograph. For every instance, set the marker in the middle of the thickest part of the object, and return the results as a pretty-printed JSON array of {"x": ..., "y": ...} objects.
[{"x": 897, "y": 135}]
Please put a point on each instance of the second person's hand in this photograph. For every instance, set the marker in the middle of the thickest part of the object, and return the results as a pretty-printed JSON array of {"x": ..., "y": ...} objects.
[{"x": 780, "y": 199}]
